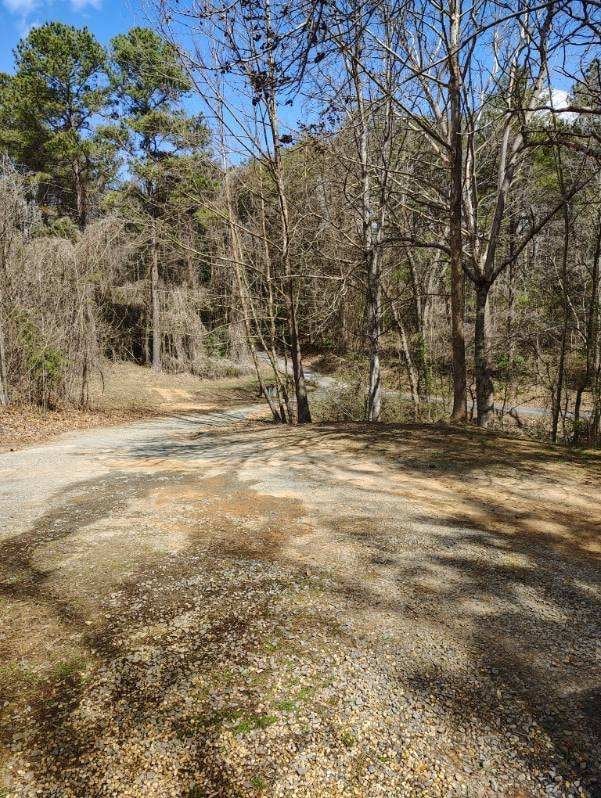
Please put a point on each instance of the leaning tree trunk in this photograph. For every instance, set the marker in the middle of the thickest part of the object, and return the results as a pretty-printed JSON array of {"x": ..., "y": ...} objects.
[
  {"x": 485, "y": 396},
  {"x": 374, "y": 312}
]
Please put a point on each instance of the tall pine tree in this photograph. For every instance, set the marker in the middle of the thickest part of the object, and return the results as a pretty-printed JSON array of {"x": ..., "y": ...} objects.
[{"x": 48, "y": 111}]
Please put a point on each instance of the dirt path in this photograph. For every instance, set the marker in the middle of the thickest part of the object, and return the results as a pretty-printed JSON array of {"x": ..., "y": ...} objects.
[{"x": 202, "y": 606}]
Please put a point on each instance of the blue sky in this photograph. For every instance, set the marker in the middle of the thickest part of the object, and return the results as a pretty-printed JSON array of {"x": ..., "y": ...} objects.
[{"x": 104, "y": 17}]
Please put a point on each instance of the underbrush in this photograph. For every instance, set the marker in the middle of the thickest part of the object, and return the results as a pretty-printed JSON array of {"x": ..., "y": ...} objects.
[
  {"x": 208, "y": 368},
  {"x": 348, "y": 402}
]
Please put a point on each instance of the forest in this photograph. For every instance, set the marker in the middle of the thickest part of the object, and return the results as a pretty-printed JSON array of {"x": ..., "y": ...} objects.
[{"x": 408, "y": 191}]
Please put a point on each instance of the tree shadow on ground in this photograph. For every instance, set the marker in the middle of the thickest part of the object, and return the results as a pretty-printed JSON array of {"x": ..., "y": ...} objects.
[
  {"x": 74, "y": 742},
  {"x": 515, "y": 577},
  {"x": 512, "y": 568},
  {"x": 457, "y": 557}
]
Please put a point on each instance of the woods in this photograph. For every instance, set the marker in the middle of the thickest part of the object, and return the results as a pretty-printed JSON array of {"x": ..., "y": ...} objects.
[{"x": 411, "y": 189}]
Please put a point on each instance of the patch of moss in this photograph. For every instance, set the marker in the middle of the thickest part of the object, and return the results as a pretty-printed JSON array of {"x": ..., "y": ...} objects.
[
  {"x": 259, "y": 783},
  {"x": 347, "y": 738},
  {"x": 251, "y": 722},
  {"x": 69, "y": 669}
]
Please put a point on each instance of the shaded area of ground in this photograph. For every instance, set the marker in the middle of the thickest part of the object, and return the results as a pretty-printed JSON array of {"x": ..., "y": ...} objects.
[{"x": 334, "y": 611}]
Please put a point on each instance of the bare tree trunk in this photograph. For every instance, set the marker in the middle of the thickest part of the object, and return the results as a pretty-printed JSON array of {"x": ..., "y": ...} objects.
[
  {"x": 421, "y": 306},
  {"x": 371, "y": 258},
  {"x": 374, "y": 311},
  {"x": 459, "y": 412},
  {"x": 303, "y": 413},
  {"x": 511, "y": 292},
  {"x": 283, "y": 395},
  {"x": 247, "y": 311},
  {"x": 556, "y": 411},
  {"x": 595, "y": 337},
  {"x": 80, "y": 196},
  {"x": 558, "y": 389},
  {"x": 3, "y": 374},
  {"x": 192, "y": 274},
  {"x": 155, "y": 300},
  {"x": 278, "y": 415},
  {"x": 344, "y": 341},
  {"x": 485, "y": 397},
  {"x": 411, "y": 370},
  {"x": 593, "y": 354},
  {"x": 238, "y": 337}
]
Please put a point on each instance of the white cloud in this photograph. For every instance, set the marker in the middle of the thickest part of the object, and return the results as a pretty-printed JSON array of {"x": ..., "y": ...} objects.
[
  {"x": 22, "y": 7},
  {"x": 78, "y": 5},
  {"x": 551, "y": 102}
]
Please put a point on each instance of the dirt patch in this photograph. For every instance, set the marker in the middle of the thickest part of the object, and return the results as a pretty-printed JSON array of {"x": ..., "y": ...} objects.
[{"x": 125, "y": 385}]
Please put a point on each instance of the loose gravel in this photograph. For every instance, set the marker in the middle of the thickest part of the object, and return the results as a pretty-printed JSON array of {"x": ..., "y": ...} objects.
[{"x": 265, "y": 612}]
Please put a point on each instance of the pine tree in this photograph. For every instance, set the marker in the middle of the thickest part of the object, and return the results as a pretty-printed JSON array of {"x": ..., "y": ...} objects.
[
  {"x": 163, "y": 142},
  {"x": 48, "y": 111}
]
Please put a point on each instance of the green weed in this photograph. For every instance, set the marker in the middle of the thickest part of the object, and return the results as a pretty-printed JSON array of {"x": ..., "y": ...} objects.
[{"x": 252, "y": 722}]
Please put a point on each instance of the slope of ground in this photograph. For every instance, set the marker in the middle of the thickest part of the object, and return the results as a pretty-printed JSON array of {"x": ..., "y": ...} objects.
[
  {"x": 124, "y": 392},
  {"x": 203, "y": 606}
]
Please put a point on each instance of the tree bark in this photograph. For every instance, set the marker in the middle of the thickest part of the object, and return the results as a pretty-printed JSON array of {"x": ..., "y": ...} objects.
[
  {"x": 485, "y": 397},
  {"x": 459, "y": 412},
  {"x": 556, "y": 410},
  {"x": 412, "y": 373},
  {"x": 303, "y": 412},
  {"x": 371, "y": 259},
  {"x": 374, "y": 311},
  {"x": 155, "y": 301},
  {"x": 595, "y": 337},
  {"x": 3, "y": 370},
  {"x": 281, "y": 414},
  {"x": 80, "y": 196}
]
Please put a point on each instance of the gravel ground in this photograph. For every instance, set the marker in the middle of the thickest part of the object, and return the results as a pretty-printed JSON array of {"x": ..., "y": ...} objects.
[{"x": 203, "y": 606}]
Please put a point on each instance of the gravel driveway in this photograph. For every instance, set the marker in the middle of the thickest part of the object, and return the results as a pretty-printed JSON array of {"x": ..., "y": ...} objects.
[{"x": 208, "y": 606}]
